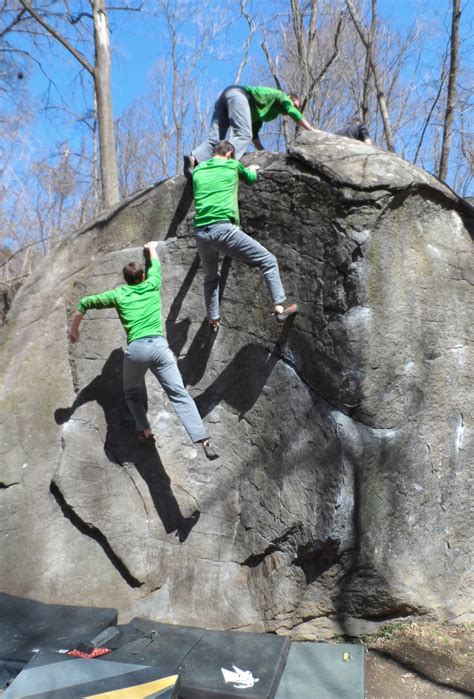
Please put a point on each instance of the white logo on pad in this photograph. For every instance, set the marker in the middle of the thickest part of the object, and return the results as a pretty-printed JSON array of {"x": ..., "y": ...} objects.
[{"x": 242, "y": 679}]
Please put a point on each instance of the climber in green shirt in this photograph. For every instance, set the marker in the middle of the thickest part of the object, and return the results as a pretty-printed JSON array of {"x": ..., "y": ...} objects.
[
  {"x": 216, "y": 189},
  {"x": 244, "y": 108},
  {"x": 215, "y": 185},
  {"x": 138, "y": 305}
]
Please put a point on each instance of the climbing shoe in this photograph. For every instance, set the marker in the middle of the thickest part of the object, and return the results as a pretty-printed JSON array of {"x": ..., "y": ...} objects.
[
  {"x": 209, "y": 451},
  {"x": 188, "y": 167},
  {"x": 287, "y": 312}
]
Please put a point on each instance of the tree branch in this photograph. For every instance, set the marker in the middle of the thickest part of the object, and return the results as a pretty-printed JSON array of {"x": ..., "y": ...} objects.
[
  {"x": 14, "y": 22},
  {"x": 59, "y": 37},
  {"x": 270, "y": 64},
  {"x": 252, "y": 30},
  {"x": 364, "y": 37},
  {"x": 330, "y": 60}
]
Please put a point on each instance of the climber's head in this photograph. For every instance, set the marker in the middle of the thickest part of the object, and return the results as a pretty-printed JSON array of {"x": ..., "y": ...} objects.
[
  {"x": 133, "y": 273},
  {"x": 296, "y": 100},
  {"x": 224, "y": 149}
]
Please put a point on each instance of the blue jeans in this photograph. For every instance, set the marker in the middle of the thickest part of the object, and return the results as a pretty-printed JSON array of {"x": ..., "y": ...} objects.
[
  {"x": 230, "y": 240},
  {"x": 154, "y": 353},
  {"x": 232, "y": 109}
]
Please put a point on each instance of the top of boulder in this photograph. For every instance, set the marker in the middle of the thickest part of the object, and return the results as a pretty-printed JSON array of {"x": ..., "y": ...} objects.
[{"x": 350, "y": 162}]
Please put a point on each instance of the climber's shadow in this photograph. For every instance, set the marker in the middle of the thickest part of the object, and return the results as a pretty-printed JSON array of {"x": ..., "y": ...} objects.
[
  {"x": 121, "y": 446},
  {"x": 193, "y": 365},
  {"x": 242, "y": 381},
  {"x": 181, "y": 211}
]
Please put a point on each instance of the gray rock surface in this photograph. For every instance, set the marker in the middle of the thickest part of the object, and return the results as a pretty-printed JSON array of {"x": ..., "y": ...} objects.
[{"x": 341, "y": 495}]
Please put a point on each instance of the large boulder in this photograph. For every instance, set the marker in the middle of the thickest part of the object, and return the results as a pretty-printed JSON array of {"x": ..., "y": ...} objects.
[{"x": 341, "y": 495}]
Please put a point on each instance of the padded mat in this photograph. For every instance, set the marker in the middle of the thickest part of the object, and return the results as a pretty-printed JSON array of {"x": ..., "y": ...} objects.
[
  {"x": 26, "y": 625},
  {"x": 54, "y": 676},
  {"x": 323, "y": 671},
  {"x": 233, "y": 664},
  {"x": 151, "y": 643},
  {"x": 210, "y": 663}
]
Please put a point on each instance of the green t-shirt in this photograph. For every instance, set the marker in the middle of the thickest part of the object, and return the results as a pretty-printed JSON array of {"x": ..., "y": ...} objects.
[
  {"x": 267, "y": 103},
  {"x": 215, "y": 186},
  {"x": 138, "y": 305}
]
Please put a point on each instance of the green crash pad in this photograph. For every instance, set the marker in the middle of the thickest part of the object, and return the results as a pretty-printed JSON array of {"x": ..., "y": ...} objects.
[{"x": 323, "y": 671}]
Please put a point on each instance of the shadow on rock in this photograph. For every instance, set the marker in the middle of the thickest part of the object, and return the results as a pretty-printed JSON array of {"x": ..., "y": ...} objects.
[
  {"x": 242, "y": 381},
  {"x": 121, "y": 445},
  {"x": 193, "y": 365},
  {"x": 181, "y": 211}
]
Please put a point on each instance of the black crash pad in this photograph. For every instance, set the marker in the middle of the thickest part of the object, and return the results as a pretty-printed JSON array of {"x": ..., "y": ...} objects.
[
  {"x": 233, "y": 664},
  {"x": 26, "y": 626},
  {"x": 323, "y": 670},
  {"x": 206, "y": 659},
  {"x": 54, "y": 676},
  {"x": 152, "y": 643}
]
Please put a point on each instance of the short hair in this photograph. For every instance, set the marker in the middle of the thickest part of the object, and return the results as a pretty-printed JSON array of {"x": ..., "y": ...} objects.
[
  {"x": 293, "y": 96},
  {"x": 133, "y": 272},
  {"x": 222, "y": 148}
]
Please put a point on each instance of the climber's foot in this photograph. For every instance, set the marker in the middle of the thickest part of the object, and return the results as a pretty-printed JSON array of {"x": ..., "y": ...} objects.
[
  {"x": 209, "y": 451},
  {"x": 189, "y": 163},
  {"x": 282, "y": 313}
]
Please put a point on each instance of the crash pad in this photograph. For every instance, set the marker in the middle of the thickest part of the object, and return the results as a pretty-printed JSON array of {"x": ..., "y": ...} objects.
[
  {"x": 209, "y": 663},
  {"x": 55, "y": 676},
  {"x": 227, "y": 664},
  {"x": 27, "y": 625},
  {"x": 323, "y": 670}
]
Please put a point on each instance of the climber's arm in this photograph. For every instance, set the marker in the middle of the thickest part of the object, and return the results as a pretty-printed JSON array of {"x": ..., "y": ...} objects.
[{"x": 74, "y": 329}]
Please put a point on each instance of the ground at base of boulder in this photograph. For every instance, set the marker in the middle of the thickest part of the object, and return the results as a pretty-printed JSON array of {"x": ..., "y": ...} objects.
[{"x": 420, "y": 660}]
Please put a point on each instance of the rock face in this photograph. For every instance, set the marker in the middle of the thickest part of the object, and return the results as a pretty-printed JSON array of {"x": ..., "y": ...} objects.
[{"x": 341, "y": 495}]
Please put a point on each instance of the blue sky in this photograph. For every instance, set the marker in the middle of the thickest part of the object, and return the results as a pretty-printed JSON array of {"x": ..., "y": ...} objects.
[
  {"x": 137, "y": 40},
  {"x": 136, "y": 44}
]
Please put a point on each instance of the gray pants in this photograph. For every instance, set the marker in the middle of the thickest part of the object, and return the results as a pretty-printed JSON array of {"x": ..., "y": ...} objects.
[
  {"x": 230, "y": 240},
  {"x": 231, "y": 109},
  {"x": 154, "y": 353}
]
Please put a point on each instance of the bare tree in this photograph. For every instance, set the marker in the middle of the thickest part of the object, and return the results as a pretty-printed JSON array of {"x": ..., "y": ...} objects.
[
  {"x": 367, "y": 40},
  {"x": 306, "y": 47},
  {"x": 452, "y": 91},
  {"x": 100, "y": 72},
  {"x": 367, "y": 70},
  {"x": 252, "y": 30}
]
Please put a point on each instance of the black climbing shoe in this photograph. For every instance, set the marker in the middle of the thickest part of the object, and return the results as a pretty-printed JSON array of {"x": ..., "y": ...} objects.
[
  {"x": 188, "y": 167},
  {"x": 209, "y": 451},
  {"x": 287, "y": 312}
]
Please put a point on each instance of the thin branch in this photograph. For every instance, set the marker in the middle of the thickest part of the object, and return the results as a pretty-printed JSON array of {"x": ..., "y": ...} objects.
[
  {"x": 330, "y": 60},
  {"x": 127, "y": 9},
  {"x": 271, "y": 64},
  {"x": 77, "y": 18},
  {"x": 430, "y": 113},
  {"x": 25, "y": 247},
  {"x": 16, "y": 20},
  {"x": 252, "y": 30},
  {"x": 59, "y": 37},
  {"x": 364, "y": 37}
]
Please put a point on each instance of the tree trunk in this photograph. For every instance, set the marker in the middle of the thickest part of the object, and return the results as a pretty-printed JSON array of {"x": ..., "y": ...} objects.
[
  {"x": 382, "y": 102},
  {"x": 101, "y": 75},
  {"x": 452, "y": 92},
  {"x": 367, "y": 71}
]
